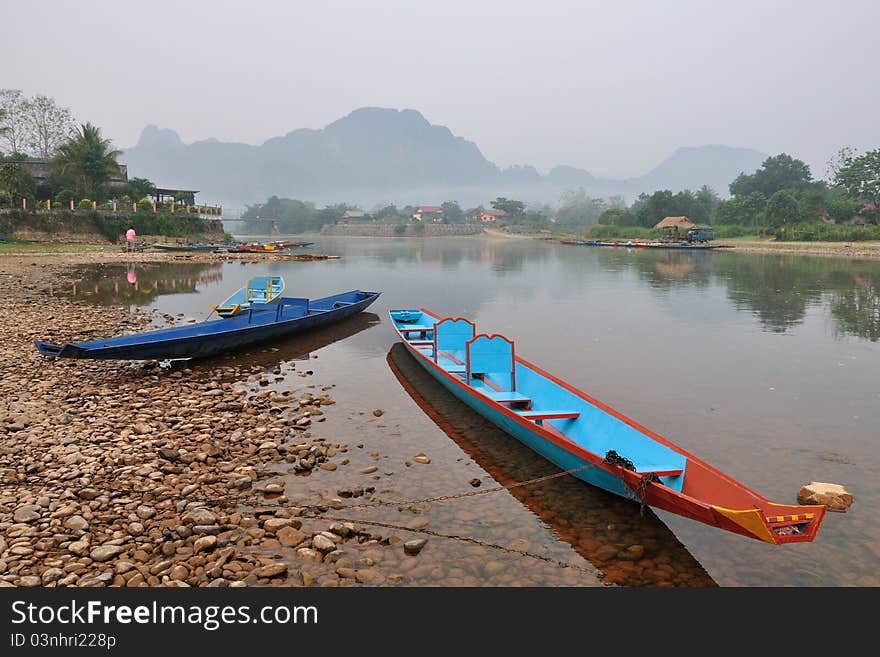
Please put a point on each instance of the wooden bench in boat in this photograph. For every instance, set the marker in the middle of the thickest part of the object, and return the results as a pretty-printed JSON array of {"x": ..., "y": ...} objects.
[
  {"x": 660, "y": 470},
  {"x": 415, "y": 328},
  {"x": 504, "y": 396},
  {"x": 550, "y": 415}
]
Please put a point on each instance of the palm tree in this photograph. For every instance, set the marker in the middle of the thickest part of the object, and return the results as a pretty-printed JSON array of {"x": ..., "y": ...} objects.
[{"x": 89, "y": 159}]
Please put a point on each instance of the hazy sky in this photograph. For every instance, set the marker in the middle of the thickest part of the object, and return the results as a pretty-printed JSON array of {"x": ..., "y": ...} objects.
[{"x": 612, "y": 87}]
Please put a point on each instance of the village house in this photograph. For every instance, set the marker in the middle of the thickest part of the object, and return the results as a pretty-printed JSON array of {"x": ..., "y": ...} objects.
[
  {"x": 428, "y": 213},
  {"x": 40, "y": 170},
  {"x": 488, "y": 216}
]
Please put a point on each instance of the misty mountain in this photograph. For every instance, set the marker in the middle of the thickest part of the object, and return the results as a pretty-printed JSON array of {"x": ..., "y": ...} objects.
[{"x": 376, "y": 155}]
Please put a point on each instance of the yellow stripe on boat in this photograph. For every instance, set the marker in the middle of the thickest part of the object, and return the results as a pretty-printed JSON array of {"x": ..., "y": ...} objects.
[{"x": 749, "y": 519}]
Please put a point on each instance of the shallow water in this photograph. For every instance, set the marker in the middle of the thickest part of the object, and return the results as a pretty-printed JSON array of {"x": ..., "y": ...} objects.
[{"x": 764, "y": 366}]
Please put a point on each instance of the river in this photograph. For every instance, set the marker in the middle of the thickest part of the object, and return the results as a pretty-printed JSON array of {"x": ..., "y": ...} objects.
[{"x": 765, "y": 366}]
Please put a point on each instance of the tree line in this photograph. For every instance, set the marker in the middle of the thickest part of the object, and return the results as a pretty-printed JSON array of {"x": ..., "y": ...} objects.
[
  {"x": 81, "y": 161},
  {"x": 780, "y": 192}
]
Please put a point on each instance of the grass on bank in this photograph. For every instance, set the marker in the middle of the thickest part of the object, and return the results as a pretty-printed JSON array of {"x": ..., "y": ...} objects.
[{"x": 21, "y": 247}]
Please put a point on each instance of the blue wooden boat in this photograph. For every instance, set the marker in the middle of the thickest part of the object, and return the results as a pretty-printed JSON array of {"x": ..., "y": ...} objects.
[
  {"x": 580, "y": 434},
  {"x": 259, "y": 289},
  {"x": 262, "y": 322}
]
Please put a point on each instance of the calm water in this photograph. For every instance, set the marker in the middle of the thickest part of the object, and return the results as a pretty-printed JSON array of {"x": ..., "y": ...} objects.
[{"x": 766, "y": 366}]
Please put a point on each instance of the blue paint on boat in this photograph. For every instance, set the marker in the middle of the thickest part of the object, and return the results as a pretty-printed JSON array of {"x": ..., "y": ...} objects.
[
  {"x": 260, "y": 323},
  {"x": 259, "y": 289},
  {"x": 484, "y": 373}
]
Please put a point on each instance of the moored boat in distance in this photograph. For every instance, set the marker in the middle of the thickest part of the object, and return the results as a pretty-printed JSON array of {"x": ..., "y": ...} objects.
[
  {"x": 189, "y": 246},
  {"x": 587, "y": 438},
  {"x": 259, "y": 289},
  {"x": 262, "y": 322}
]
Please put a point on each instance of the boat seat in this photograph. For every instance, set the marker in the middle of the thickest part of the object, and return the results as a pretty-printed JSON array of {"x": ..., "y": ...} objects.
[
  {"x": 413, "y": 328},
  {"x": 550, "y": 415},
  {"x": 503, "y": 396},
  {"x": 660, "y": 470}
]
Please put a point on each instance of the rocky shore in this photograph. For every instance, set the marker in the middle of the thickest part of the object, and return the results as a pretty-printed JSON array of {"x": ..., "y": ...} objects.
[{"x": 119, "y": 475}]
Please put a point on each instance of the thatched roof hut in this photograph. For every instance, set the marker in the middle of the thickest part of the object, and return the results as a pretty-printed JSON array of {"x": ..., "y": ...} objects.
[{"x": 676, "y": 222}]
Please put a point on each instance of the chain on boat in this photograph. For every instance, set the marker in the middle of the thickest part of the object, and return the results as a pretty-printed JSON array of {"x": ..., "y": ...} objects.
[{"x": 641, "y": 489}]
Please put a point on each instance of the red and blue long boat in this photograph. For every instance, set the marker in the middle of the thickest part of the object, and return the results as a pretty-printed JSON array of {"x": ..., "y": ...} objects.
[{"x": 591, "y": 440}]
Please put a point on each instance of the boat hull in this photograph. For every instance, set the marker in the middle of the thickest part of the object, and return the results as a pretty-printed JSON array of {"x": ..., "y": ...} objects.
[
  {"x": 722, "y": 502},
  {"x": 553, "y": 453},
  {"x": 213, "y": 337}
]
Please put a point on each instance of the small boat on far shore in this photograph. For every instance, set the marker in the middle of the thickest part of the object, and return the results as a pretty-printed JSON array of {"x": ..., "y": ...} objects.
[
  {"x": 259, "y": 289},
  {"x": 189, "y": 246}
]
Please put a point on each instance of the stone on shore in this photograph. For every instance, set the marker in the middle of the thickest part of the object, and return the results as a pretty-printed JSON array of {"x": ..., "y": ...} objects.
[{"x": 834, "y": 496}]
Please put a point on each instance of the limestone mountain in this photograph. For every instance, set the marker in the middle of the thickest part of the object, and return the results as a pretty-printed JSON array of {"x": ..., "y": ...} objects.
[{"x": 377, "y": 155}]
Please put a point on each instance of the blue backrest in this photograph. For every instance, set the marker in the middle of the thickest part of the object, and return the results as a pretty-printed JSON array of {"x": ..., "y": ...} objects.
[
  {"x": 451, "y": 335},
  {"x": 493, "y": 356}
]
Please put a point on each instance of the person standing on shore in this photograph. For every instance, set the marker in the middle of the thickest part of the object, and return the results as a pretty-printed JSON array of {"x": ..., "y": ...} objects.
[{"x": 129, "y": 239}]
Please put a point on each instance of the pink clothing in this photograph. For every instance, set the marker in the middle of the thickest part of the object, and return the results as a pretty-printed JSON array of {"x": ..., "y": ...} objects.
[{"x": 129, "y": 234}]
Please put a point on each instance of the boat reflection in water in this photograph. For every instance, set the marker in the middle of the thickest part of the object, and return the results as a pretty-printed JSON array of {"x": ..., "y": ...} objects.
[
  {"x": 608, "y": 531},
  {"x": 271, "y": 355}
]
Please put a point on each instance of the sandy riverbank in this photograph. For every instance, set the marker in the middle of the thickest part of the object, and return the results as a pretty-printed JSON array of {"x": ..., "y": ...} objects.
[
  {"x": 832, "y": 249},
  {"x": 134, "y": 475}
]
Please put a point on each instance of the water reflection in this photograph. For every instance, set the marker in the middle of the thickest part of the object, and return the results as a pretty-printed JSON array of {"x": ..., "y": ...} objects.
[
  {"x": 606, "y": 530},
  {"x": 272, "y": 355},
  {"x": 138, "y": 284},
  {"x": 778, "y": 289}
]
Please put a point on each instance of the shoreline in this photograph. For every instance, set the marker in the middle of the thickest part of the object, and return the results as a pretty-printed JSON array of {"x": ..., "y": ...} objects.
[
  {"x": 86, "y": 253},
  {"x": 129, "y": 474}
]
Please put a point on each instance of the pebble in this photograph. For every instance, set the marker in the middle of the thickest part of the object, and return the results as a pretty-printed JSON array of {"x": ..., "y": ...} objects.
[
  {"x": 105, "y": 552},
  {"x": 76, "y": 523},
  {"x": 25, "y": 514},
  {"x": 273, "y": 570},
  {"x": 204, "y": 544},
  {"x": 414, "y": 546}
]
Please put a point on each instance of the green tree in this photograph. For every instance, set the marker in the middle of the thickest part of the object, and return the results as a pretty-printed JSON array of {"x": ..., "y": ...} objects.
[
  {"x": 663, "y": 203},
  {"x": 577, "y": 210},
  {"x": 139, "y": 188},
  {"x": 782, "y": 208},
  {"x": 452, "y": 212},
  {"x": 388, "y": 212},
  {"x": 705, "y": 204},
  {"x": 859, "y": 176},
  {"x": 511, "y": 207},
  {"x": 841, "y": 207},
  {"x": 617, "y": 217},
  {"x": 776, "y": 173},
  {"x": 742, "y": 210},
  {"x": 16, "y": 182},
  {"x": 89, "y": 159}
]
